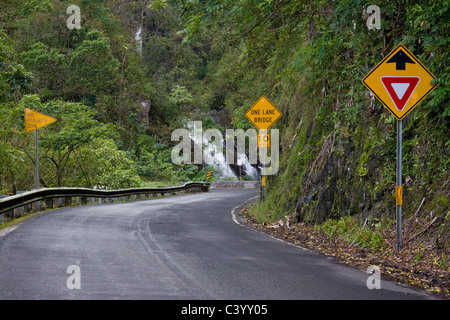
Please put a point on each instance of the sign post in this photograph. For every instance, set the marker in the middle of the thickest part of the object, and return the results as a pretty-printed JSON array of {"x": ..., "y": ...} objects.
[
  {"x": 263, "y": 114},
  {"x": 36, "y": 159},
  {"x": 239, "y": 163},
  {"x": 33, "y": 121},
  {"x": 400, "y": 82},
  {"x": 399, "y": 187}
]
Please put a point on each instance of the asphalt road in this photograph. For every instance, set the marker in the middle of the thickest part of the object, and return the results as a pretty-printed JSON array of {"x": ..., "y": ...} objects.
[{"x": 182, "y": 247}]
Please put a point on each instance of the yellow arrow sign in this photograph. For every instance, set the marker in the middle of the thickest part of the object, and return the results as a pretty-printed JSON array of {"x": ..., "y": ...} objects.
[
  {"x": 35, "y": 120},
  {"x": 263, "y": 114}
]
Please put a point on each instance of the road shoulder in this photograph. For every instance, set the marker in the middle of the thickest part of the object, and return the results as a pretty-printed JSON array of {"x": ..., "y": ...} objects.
[{"x": 304, "y": 236}]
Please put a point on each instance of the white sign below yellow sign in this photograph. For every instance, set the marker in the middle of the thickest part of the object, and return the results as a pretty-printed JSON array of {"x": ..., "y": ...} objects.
[{"x": 263, "y": 139}]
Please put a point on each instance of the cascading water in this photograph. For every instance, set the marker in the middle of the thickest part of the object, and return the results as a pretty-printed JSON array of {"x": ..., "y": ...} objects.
[
  {"x": 138, "y": 39},
  {"x": 214, "y": 156},
  {"x": 248, "y": 168}
]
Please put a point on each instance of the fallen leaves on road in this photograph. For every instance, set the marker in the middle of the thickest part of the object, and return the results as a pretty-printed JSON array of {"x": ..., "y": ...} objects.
[{"x": 400, "y": 267}]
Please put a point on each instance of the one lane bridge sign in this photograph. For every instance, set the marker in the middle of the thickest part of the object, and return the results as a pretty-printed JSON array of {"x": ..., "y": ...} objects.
[{"x": 263, "y": 114}]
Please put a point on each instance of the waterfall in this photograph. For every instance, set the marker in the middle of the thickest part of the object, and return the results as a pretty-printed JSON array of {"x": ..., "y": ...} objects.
[
  {"x": 212, "y": 156},
  {"x": 248, "y": 168},
  {"x": 138, "y": 39}
]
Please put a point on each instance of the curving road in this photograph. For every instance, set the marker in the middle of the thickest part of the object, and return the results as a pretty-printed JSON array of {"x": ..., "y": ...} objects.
[{"x": 182, "y": 247}]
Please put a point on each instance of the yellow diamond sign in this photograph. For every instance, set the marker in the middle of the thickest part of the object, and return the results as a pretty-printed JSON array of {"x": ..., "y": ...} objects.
[
  {"x": 263, "y": 114},
  {"x": 400, "y": 81}
]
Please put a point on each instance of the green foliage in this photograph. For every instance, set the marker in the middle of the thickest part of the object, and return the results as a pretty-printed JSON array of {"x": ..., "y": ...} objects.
[
  {"x": 156, "y": 5},
  {"x": 32, "y": 6},
  {"x": 239, "y": 119},
  {"x": 93, "y": 66},
  {"x": 202, "y": 174},
  {"x": 10, "y": 157},
  {"x": 368, "y": 235},
  {"x": 156, "y": 165},
  {"x": 14, "y": 79},
  {"x": 180, "y": 96},
  {"x": 430, "y": 36},
  {"x": 104, "y": 166},
  {"x": 87, "y": 79},
  {"x": 75, "y": 128},
  {"x": 49, "y": 68},
  {"x": 308, "y": 57}
]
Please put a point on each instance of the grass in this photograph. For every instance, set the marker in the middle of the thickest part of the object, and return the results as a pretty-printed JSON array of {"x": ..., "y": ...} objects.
[
  {"x": 258, "y": 212},
  {"x": 9, "y": 222},
  {"x": 262, "y": 212},
  {"x": 347, "y": 228}
]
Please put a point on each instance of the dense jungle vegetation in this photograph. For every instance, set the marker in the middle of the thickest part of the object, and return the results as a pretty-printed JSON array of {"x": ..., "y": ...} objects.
[{"x": 117, "y": 102}]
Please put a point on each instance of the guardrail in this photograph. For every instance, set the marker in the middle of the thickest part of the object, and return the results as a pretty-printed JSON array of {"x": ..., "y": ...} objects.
[{"x": 40, "y": 199}]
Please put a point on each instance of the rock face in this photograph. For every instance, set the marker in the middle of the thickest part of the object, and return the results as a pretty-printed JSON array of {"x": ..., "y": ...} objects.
[{"x": 328, "y": 173}]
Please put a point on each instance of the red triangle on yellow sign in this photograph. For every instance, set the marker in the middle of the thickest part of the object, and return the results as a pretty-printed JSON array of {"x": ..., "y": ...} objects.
[
  {"x": 35, "y": 120},
  {"x": 400, "y": 89}
]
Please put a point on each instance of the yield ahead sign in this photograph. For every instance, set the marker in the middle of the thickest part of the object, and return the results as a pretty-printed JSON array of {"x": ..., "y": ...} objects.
[{"x": 400, "y": 81}]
